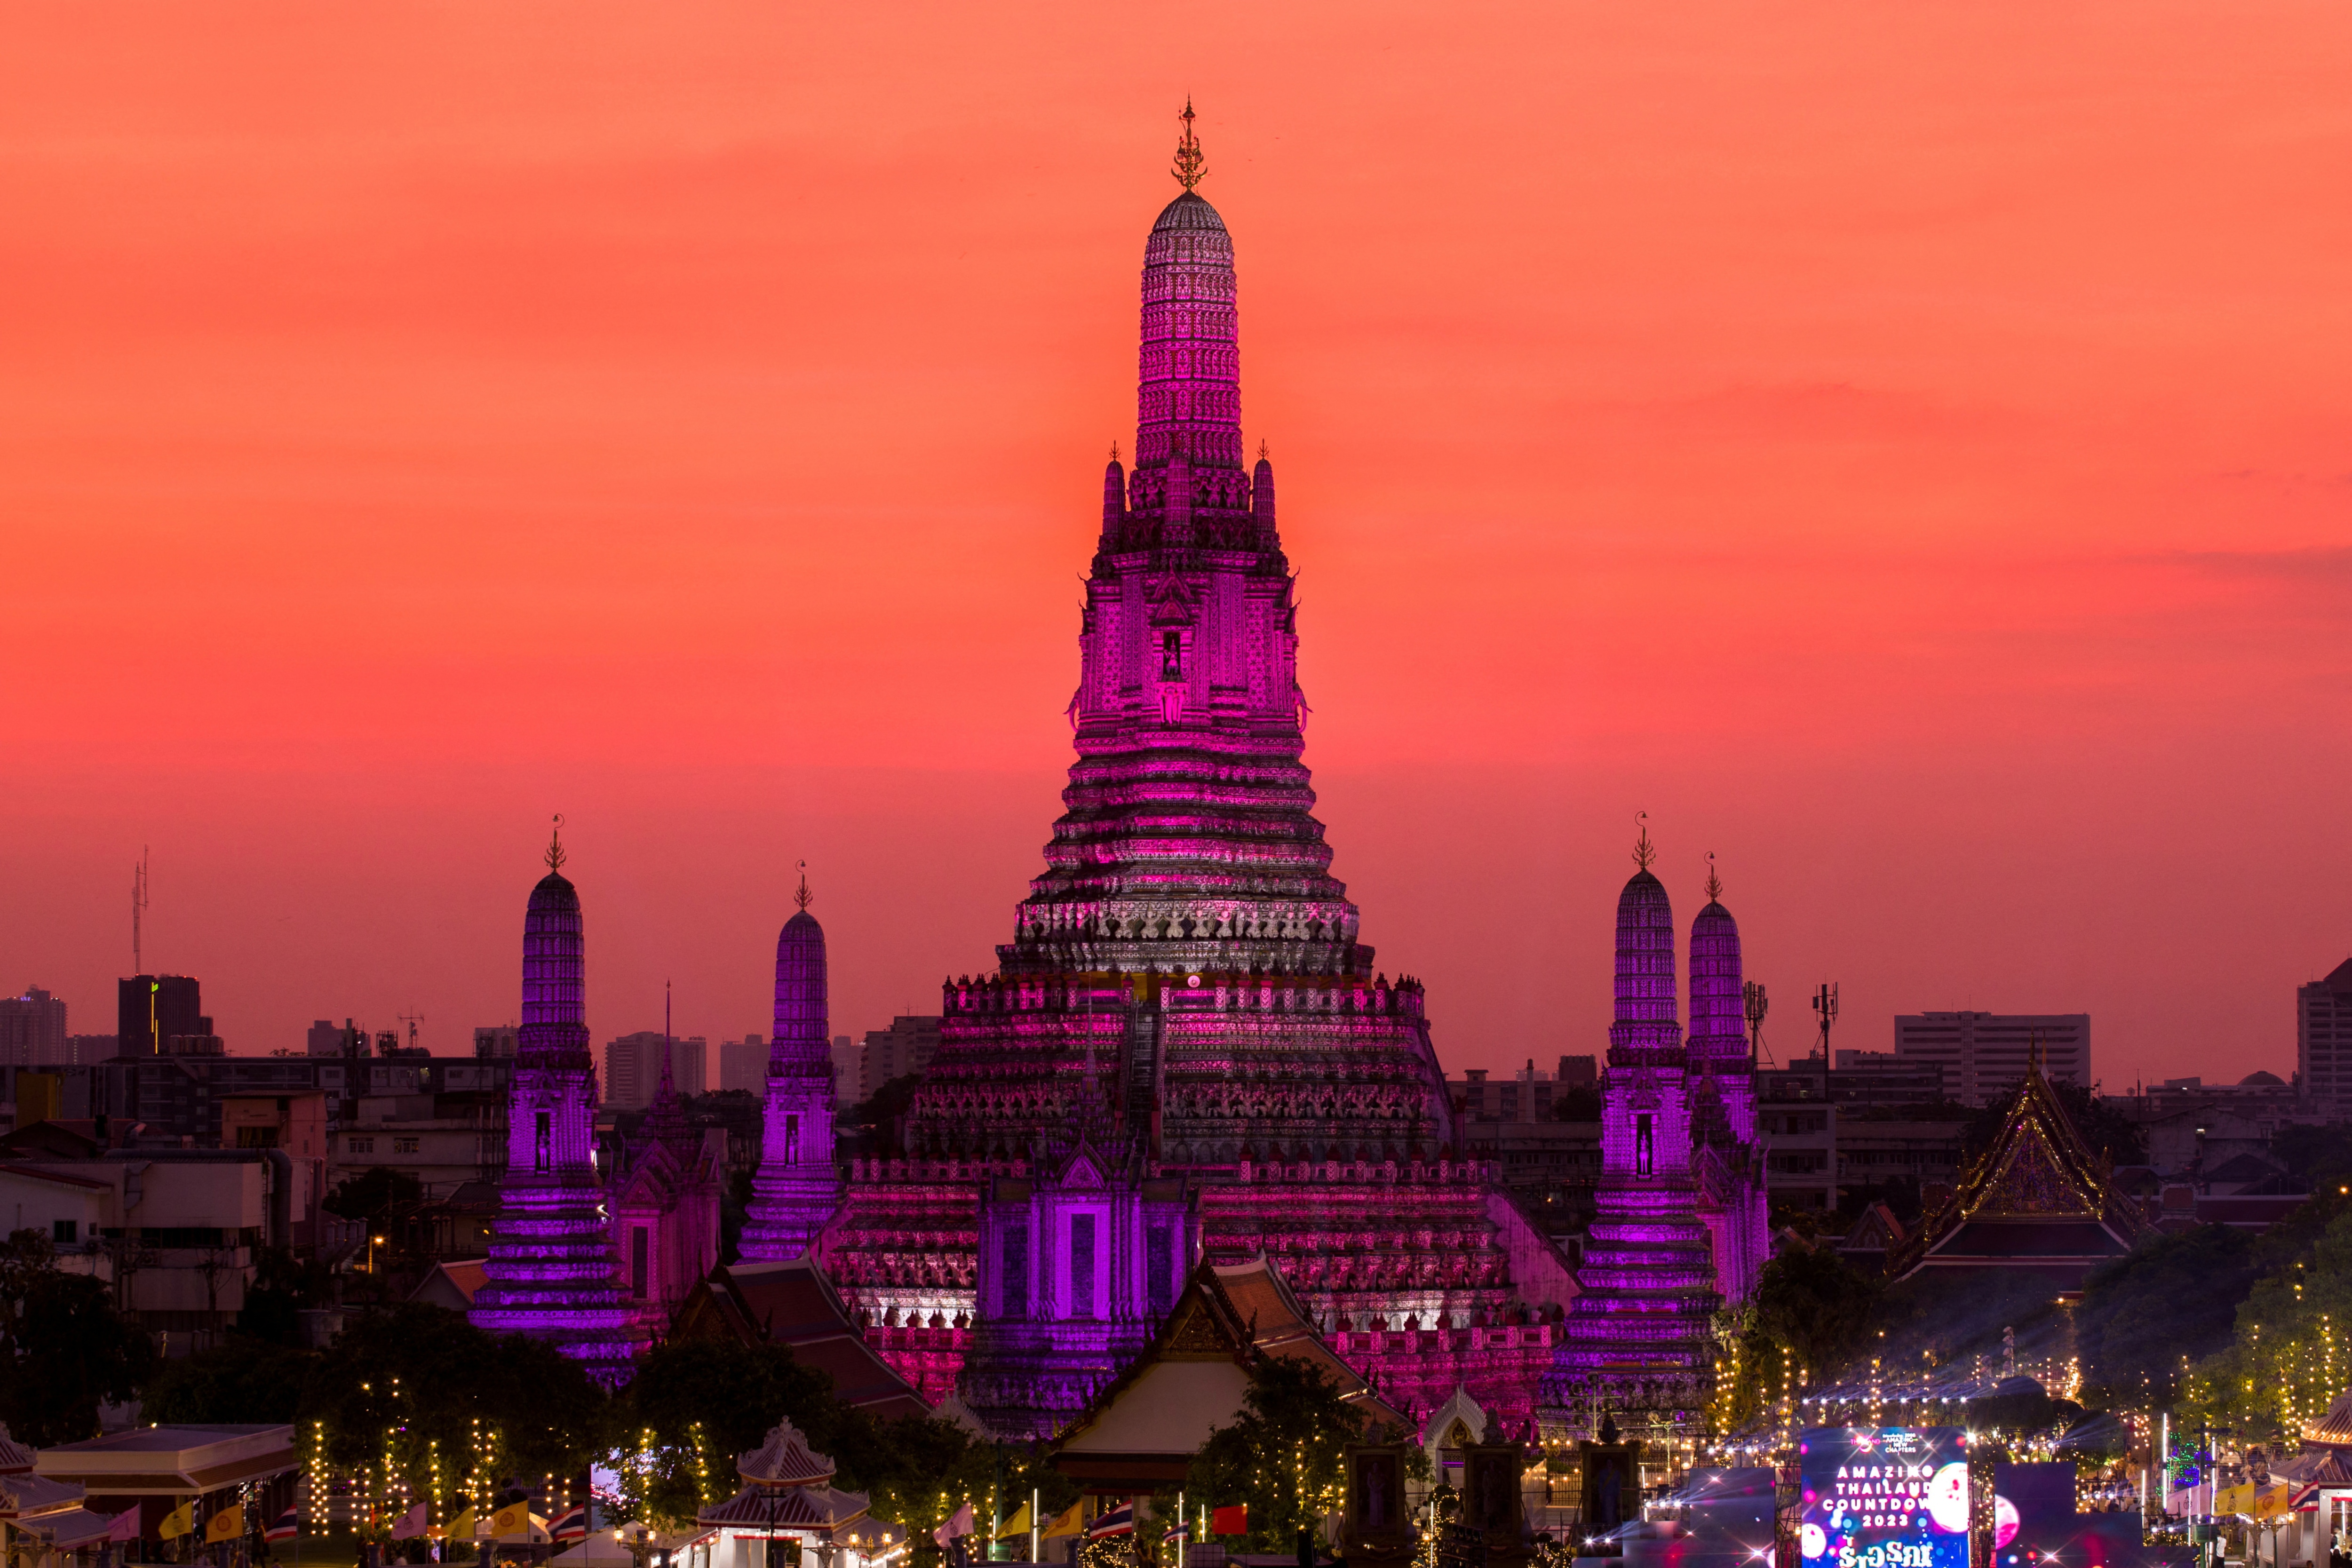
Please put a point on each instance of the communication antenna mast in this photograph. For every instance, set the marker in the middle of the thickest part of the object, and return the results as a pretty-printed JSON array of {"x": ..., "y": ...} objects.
[
  {"x": 412, "y": 1020},
  {"x": 138, "y": 907},
  {"x": 1755, "y": 1003},
  {"x": 1825, "y": 1007}
]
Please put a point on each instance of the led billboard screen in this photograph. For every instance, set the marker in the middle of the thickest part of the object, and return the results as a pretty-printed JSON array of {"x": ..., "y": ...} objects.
[{"x": 1883, "y": 1497}]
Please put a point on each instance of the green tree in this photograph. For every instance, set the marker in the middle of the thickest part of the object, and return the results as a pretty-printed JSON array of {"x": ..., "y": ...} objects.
[
  {"x": 870, "y": 1124},
  {"x": 423, "y": 1374},
  {"x": 374, "y": 1196},
  {"x": 1811, "y": 1314},
  {"x": 64, "y": 1350},
  {"x": 242, "y": 1380},
  {"x": 2171, "y": 1297},
  {"x": 2287, "y": 1355},
  {"x": 1282, "y": 1456},
  {"x": 695, "y": 1404},
  {"x": 283, "y": 1285}
]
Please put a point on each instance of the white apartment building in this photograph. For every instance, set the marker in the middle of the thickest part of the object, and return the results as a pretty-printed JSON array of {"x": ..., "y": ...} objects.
[
  {"x": 905, "y": 1047},
  {"x": 632, "y": 1074},
  {"x": 1983, "y": 1056},
  {"x": 743, "y": 1064}
]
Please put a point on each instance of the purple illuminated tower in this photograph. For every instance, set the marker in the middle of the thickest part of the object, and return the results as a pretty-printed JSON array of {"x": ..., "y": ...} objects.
[
  {"x": 1726, "y": 1159},
  {"x": 798, "y": 1187},
  {"x": 550, "y": 1271},
  {"x": 1186, "y": 981},
  {"x": 1639, "y": 1339}
]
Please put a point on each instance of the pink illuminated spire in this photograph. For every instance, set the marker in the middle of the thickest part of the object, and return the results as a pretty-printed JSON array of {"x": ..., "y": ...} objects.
[{"x": 1189, "y": 400}]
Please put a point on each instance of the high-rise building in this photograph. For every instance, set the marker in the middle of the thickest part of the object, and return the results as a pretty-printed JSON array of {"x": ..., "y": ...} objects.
[
  {"x": 324, "y": 1039},
  {"x": 1984, "y": 1054},
  {"x": 152, "y": 1010},
  {"x": 32, "y": 1030},
  {"x": 848, "y": 1058},
  {"x": 633, "y": 1068},
  {"x": 743, "y": 1064},
  {"x": 550, "y": 1271},
  {"x": 689, "y": 1065},
  {"x": 2323, "y": 1038},
  {"x": 631, "y": 1071},
  {"x": 905, "y": 1048}
]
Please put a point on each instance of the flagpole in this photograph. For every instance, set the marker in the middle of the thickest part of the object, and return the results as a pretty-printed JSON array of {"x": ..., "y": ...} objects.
[{"x": 1032, "y": 1523}]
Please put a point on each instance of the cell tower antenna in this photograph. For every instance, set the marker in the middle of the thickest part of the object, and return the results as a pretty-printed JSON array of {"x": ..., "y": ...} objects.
[
  {"x": 1755, "y": 1003},
  {"x": 412, "y": 1020},
  {"x": 138, "y": 910},
  {"x": 1825, "y": 1008}
]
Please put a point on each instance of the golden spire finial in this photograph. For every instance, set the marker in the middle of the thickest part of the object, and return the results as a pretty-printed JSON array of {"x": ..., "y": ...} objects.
[
  {"x": 1261, "y": 450},
  {"x": 803, "y": 896},
  {"x": 1189, "y": 156},
  {"x": 1714, "y": 882},
  {"x": 1644, "y": 853},
  {"x": 555, "y": 856},
  {"x": 1114, "y": 451}
]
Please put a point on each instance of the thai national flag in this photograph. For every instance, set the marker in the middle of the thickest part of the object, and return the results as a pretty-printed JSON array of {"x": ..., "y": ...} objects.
[
  {"x": 285, "y": 1527},
  {"x": 1119, "y": 1520},
  {"x": 572, "y": 1526}
]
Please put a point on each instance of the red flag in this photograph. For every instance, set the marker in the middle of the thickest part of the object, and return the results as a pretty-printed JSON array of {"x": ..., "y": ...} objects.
[
  {"x": 124, "y": 1525},
  {"x": 1231, "y": 1519}
]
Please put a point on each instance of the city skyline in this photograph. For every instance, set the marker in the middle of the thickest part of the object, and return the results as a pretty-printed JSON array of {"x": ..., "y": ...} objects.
[{"x": 1931, "y": 506}]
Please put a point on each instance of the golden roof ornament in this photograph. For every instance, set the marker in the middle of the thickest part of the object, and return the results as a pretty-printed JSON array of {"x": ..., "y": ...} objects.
[
  {"x": 555, "y": 856},
  {"x": 803, "y": 896},
  {"x": 1188, "y": 168},
  {"x": 1644, "y": 851},
  {"x": 1714, "y": 882}
]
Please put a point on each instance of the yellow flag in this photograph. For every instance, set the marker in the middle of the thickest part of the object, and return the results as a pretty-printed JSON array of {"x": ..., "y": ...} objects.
[
  {"x": 2234, "y": 1499},
  {"x": 512, "y": 1520},
  {"x": 1017, "y": 1525},
  {"x": 178, "y": 1522},
  {"x": 1070, "y": 1523},
  {"x": 226, "y": 1525},
  {"x": 462, "y": 1527}
]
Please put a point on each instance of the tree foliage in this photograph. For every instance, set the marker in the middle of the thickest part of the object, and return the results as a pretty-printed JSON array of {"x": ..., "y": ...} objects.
[
  {"x": 64, "y": 1350},
  {"x": 695, "y": 1404},
  {"x": 2170, "y": 1299},
  {"x": 2287, "y": 1356},
  {"x": 373, "y": 1194},
  {"x": 1810, "y": 1314},
  {"x": 1283, "y": 1456},
  {"x": 243, "y": 1380},
  {"x": 424, "y": 1375}
]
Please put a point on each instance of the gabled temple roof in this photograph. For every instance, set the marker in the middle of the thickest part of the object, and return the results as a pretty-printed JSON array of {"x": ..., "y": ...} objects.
[
  {"x": 793, "y": 1304},
  {"x": 1192, "y": 1377},
  {"x": 2335, "y": 1428},
  {"x": 2037, "y": 1197},
  {"x": 784, "y": 1460}
]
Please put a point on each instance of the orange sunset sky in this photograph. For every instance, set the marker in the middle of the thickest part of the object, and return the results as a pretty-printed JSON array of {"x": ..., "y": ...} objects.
[{"x": 1903, "y": 448}]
